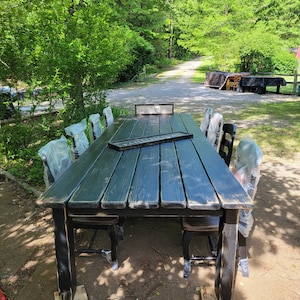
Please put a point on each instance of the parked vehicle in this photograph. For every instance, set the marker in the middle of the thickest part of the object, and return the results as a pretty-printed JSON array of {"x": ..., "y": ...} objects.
[{"x": 7, "y": 108}]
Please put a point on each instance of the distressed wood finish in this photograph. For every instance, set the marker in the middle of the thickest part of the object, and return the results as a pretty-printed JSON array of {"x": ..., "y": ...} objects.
[{"x": 177, "y": 178}]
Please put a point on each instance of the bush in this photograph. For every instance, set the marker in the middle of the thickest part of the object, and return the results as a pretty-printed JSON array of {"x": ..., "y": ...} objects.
[
  {"x": 284, "y": 62},
  {"x": 21, "y": 139},
  {"x": 280, "y": 62}
]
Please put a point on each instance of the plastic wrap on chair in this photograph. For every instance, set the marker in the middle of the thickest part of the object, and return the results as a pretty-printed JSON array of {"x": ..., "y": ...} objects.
[
  {"x": 109, "y": 118},
  {"x": 77, "y": 132},
  {"x": 56, "y": 158},
  {"x": 206, "y": 119},
  {"x": 247, "y": 165},
  {"x": 215, "y": 130},
  {"x": 95, "y": 126},
  {"x": 247, "y": 171},
  {"x": 245, "y": 222}
]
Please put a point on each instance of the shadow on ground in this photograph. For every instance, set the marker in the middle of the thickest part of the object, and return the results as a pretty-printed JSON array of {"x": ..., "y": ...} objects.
[{"x": 150, "y": 256}]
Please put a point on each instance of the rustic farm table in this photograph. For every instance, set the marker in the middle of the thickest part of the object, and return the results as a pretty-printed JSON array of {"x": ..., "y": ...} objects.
[{"x": 119, "y": 175}]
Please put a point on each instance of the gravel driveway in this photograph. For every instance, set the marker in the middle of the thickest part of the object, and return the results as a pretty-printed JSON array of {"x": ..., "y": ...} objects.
[{"x": 175, "y": 86}]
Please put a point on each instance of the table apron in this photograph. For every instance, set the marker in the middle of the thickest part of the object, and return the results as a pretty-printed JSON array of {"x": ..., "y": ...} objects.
[{"x": 160, "y": 212}]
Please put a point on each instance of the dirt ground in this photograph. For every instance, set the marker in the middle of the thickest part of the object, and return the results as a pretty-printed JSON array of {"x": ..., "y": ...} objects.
[{"x": 150, "y": 256}]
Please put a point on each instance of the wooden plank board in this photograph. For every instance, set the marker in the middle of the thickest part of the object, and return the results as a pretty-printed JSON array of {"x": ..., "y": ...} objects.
[
  {"x": 149, "y": 140},
  {"x": 172, "y": 191},
  {"x": 198, "y": 189},
  {"x": 123, "y": 174},
  {"x": 145, "y": 185},
  {"x": 92, "y": 188},
  {"x": 61, "y": 191},
  {"x": 230, "y": 192}
]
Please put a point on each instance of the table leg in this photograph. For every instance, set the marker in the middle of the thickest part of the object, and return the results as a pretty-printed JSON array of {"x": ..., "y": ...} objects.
[
  {"x": 64, "y": 248},
  {"x": 228, "y": 254},
  {"x": 277, "y": 89}
]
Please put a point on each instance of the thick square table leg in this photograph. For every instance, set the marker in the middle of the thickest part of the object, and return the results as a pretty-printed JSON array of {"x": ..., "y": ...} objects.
[
  {"x": 64, "y": 248},
  {"x": 226, "y": 263}
]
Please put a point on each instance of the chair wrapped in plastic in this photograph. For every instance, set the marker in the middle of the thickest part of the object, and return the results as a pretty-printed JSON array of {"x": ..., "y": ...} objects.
[
  {"x": 215, "y": 130},
  {"x": 56, "y": 157},
  {"x": 79, "y": 140},
  {"x": 247, "y": 171},
  {"x": 95, "y": 129},
  {"x": 108, "y": 115},
  {"x": 206, "y": 120}
]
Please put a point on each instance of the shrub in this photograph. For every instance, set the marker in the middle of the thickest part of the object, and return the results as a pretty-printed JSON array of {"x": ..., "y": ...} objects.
[{"x": 284, "y": 62}]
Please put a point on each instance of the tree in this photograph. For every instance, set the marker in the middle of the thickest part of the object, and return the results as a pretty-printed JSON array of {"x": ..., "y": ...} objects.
[
  {"x": 79, "y": 45},
  {"x": 231, "y": 31},
  {"x": 282, "y": 18},
  {"x": 213, "y": 28}
]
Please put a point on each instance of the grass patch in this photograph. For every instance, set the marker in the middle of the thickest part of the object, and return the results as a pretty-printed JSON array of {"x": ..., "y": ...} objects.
[
  {"x": 206, "y": 66},
  {"x": 274, "y": 126},
  {"x": 288, "y": 89}
]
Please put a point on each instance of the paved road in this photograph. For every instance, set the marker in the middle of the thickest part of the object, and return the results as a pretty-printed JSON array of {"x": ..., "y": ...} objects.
[{"x": 176, "y": 87}]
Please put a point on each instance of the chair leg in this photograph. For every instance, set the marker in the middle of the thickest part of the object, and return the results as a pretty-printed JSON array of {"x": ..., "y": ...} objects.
[
  {"x": 186, "y": 239},
  {"x": 243, "y": 263},
  {"x": 242, "y": 246},
  {"x": 121, "y": 223},
  {"x": 113, "y": 234},
  {"x": 212, "y": 246}
]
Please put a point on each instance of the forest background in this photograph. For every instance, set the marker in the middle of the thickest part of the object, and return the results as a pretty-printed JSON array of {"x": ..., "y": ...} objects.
[{"x": 73, "y": 51}]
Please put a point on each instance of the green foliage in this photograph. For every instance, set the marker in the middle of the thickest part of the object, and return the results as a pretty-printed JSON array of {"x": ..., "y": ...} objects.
[
  {"x": 21, "y": 140},
  {"x": 78, "y": 46},
  {"x": 281, "y": 18},
  {"x": 261, "y": 51},
  {"x": 284, "y": 62},
  {"x": 143, "y": 53},
  {"x": 255, "y": 62}
]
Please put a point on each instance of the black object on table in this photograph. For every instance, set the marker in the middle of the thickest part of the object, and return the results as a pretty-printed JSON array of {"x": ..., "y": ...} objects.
[{"x": 258, "y": 84}]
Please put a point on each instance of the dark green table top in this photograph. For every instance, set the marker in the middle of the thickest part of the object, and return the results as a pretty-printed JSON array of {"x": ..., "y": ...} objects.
[{"x": 182, "y": 175}]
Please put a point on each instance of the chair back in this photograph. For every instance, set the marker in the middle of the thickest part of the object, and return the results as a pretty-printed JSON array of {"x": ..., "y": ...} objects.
[
  {"x": 215, "y": 130},
  {"x": 206, "y": 120},
  {"x": 108, "y": 115},
  {"x": 233, "y": 82},
  {"x": 226, "y": 146},
  {"x": 247, "y": 165},
  {"x": 56, "y": 157},
  {"x": 95, "y": 129},
  {"x": 154, "y": 109},
  {"x": 79, "y": 138},
  {"x": 247, "y": 171}
]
